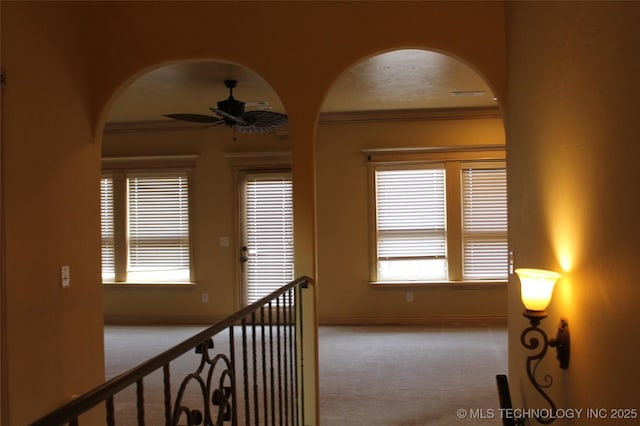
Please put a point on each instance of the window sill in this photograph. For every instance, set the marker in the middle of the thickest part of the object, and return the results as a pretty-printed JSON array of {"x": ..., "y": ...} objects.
[
  {"x": 131, "y": 285},
  {"x": 438, "y": 284}
]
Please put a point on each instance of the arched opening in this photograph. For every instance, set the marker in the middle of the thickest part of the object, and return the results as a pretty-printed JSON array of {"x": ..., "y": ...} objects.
[
  {"x": 189, "y": 86},
  {"x": 211, "y": 150},
  {"x": 403, "y": 110},
  {"x": 408, "y": 79},
  {"x": 204, "y": 168}
]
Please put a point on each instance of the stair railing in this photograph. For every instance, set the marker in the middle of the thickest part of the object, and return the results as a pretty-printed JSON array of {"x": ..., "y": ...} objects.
[{"x": 257, "y": 379}]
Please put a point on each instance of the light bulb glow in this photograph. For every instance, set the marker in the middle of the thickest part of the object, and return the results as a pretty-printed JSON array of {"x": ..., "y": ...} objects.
[{"x": 536, "y": 287}]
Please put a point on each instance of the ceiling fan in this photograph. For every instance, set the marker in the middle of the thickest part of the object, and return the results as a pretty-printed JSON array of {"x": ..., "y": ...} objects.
[{"x": 231, "y": 113}]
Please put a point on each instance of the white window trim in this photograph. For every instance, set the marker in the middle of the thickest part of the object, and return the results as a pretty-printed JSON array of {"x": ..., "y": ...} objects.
[
  {"x": 121, "y": 166},
  {"x": 429, "y": 155}
]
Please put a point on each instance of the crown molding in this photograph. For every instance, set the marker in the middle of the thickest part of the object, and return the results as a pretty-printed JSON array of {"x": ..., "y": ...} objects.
[
  {"x": 345, "y": 117},
  {"x": 154, "y": 126},
  {"x": 150, "y": 162},
  {"x": 400, "y": 115}
]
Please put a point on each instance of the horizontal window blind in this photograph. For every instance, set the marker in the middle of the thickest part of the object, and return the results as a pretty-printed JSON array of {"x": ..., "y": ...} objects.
[
  {"x": 410, "y": 223},
  {"x": 269, "y": 233},
  {"x": 484, "y": 216},
  {"x": 107, "y": 230},
  {"x": 158, "y": 228}
]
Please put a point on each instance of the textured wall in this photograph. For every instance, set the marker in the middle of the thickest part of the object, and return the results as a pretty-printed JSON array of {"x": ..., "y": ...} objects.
[{"x": 571, "y": 140}]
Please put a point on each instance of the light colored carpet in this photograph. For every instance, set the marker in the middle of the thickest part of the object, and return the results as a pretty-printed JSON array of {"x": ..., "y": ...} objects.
[
  {"x": 369, "y": 375},
  {"x": 401, "y": 376}
]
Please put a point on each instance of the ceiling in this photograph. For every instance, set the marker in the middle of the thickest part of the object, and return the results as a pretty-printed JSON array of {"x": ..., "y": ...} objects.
[{"x": 407, "y": 79}]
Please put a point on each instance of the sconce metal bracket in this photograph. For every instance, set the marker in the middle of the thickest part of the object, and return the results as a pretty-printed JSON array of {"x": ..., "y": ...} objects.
[
  {"x": 534, "y": 338},
  {"x": 562, "y": 344}
]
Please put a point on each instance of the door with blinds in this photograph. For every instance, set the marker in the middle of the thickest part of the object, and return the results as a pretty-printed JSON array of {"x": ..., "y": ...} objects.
[{"x": 266, "y": 217}]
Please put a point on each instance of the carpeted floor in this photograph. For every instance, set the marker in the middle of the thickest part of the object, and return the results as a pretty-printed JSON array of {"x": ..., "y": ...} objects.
[
  {"x": 401, "y": 376},
  {"x": 369, "y": 375}
]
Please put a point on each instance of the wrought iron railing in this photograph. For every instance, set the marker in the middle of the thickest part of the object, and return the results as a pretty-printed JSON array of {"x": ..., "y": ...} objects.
[{"x": 253, "y": 377}]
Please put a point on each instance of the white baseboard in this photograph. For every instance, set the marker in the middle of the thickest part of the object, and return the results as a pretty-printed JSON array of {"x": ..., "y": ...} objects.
[
  {"x": 160, "y": 320},
  {"x": 431, "y": 320}
]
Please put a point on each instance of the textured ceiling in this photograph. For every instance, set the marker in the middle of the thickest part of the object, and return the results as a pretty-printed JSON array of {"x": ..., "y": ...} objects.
[{"x": 398, "y": 80}]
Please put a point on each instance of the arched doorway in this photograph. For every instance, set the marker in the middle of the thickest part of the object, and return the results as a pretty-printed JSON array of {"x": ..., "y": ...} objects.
[
  {"x": 399, "y": 111},
  {"x": 213, "y": 151},
  {"x": 404, "y": 103}
]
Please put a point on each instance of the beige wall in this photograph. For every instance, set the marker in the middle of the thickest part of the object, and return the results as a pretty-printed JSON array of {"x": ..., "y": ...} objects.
[
  {"x": 53, "y": 347},
  {"x": 65, "y": 63},
  {"x": 572, "y": 133}
]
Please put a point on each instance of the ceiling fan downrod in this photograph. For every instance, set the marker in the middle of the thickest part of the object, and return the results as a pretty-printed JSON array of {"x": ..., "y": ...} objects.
[{"x": 230, "y": 84}]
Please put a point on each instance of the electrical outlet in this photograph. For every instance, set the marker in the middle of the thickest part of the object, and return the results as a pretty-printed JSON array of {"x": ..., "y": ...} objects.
[
  {"x": 409, "y": 296},
  {"x": 65, "y": 276},
  {"x": 204, "y": 297}
]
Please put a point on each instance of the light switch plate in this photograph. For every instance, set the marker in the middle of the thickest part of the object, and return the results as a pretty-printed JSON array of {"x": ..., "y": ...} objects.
[{"x": 65, "y": 276}]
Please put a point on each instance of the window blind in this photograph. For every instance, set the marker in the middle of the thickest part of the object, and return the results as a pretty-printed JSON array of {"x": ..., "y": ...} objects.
[
  {"x": 484, "y": 216},
  {"x": 410, "y": 223},
  {"x": 158, "y": 228},
  {"x": 107, "y": 230},
  {"x": 269, "y": 233}
]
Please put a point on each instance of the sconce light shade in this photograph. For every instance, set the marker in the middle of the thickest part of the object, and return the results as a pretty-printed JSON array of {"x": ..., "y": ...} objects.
[{"x": 536, "y": 287}]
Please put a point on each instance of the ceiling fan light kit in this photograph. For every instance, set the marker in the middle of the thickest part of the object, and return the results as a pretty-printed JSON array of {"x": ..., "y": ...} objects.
[{"x": 231, "y": 113}]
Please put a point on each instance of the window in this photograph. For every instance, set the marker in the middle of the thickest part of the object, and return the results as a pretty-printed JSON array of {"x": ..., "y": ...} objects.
[
  {"x": 145, "y": 226},
  {"x": 484, "y": 221},
  {"x": 439, "y": 217},
  {"x": 106, "y": 219},
  {"x": 411, "y": 223}
]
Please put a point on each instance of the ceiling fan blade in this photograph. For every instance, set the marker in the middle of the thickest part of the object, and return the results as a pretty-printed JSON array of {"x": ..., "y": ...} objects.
[
  {"x": 232, "y": 119},
  {"x": 261, "y": 122},
  {"x": 196, "y": 118}
]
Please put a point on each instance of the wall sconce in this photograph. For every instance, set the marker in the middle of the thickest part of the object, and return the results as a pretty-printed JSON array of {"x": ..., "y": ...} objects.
[{"x": 536, "y": 288}]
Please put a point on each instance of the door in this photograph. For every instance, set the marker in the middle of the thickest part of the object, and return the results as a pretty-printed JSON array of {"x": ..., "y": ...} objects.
[{"x": 266, "y": 217}]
